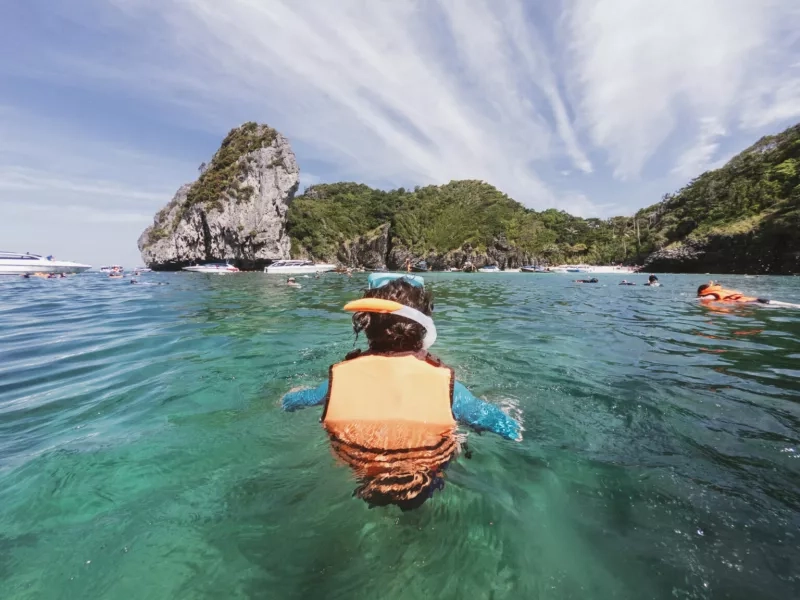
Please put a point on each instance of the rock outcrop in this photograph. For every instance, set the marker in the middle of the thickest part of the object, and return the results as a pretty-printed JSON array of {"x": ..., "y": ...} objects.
[
  {"x": 235, "y": 211},
  {"x": 768, "y": 249},
  {"x": 368, "y": 251},
  {"x": 500, "y": 253}
]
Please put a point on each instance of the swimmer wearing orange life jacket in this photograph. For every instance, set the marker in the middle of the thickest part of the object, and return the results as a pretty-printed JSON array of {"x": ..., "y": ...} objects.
[
  {"x": 713, "y": 292},
  {"x": 392, "y": 411}
]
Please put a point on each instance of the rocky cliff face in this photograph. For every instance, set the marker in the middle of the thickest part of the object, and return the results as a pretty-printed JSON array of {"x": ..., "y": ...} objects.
[
  {"x": 499, "y": 253},
  {"x": 368, "y": 251},
  {"x": 376, "y": 250},
  {"x": 235, "y": 211},
  {"x": 769, "y": 250}
]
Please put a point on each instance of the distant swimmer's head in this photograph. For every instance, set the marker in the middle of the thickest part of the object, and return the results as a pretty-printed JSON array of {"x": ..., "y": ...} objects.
[
  {"x": 390, "y": 332},
  {"x": 706, "y": 289}
]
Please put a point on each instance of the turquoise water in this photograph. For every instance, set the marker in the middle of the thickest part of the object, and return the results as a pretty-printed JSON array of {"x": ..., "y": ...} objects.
[{"x": 143, "y": 453}]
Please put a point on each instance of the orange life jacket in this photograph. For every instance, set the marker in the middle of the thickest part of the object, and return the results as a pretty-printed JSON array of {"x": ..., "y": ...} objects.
[
  {"x": 390, "y": 418},
  {"x": 722, "y": 295}
]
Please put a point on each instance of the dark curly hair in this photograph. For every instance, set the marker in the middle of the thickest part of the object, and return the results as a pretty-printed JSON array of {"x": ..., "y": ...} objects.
[
  {"x": 703, "y": 288},
  {"x": 389, "y": 333}
]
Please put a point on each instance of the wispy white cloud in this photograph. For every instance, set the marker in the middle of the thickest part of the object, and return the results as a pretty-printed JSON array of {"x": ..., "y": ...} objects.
[
  {"x": 586, "y": 105},
  {"x": 775, "y": 101},
  {"x": 644, "y": 69},
  {"x": 392, "y": 93},
  {"x": 698, "y": 157},
  {"x": 64, "y": 191},
  {"x": 75, "y": 213},
  {"x": 25, "y": 179}
]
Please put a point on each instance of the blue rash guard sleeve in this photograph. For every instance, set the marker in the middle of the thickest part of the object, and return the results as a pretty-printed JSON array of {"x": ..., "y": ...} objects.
[
  {"x": 482, "y": 416},
  {"x": 305, "y": 398}
]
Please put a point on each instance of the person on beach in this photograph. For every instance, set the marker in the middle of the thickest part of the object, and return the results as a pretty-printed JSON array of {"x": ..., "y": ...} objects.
[{"x": 391, "y": 412}]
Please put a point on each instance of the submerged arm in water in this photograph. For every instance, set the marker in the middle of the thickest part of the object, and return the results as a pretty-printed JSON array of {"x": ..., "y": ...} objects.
[
  {"x": 467, "y": 409},
  {"x": 304, "y": 398},
  {"x": 482, "y": 416}
]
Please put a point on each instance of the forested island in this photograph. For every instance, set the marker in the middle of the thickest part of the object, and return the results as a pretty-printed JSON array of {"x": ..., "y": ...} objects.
[{"x": 743, "y": 217}]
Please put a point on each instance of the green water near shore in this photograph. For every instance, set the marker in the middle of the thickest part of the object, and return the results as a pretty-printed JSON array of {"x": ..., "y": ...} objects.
[{"x": 143, "y": 453}]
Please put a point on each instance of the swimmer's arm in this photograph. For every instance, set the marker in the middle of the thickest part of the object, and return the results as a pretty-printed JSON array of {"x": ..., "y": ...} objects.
[
  {"x": 482, "y": 416},
  {"x": 303, "y": 398}
]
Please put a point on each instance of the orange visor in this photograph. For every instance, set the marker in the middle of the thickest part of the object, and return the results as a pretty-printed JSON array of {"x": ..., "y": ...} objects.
[{"x": 379, "y": 305}]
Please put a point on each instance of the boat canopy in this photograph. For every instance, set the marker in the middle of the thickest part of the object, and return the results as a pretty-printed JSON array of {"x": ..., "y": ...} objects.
[
  {"x": 18, "y": 256},
  {"x": 292, "y": 263}
]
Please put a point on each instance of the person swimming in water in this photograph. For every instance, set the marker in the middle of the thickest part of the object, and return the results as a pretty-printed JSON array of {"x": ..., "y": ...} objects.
[
  {"x": 292, "y": 282},
  {"x": 391, "y": 411},
  {"x": 592, "y": 280},
  {"x": 626, "y": 282},
  {"x": 652, "y": 281},
  {"x": 137, "y": 282},
  {"x": 714, "y": 292}
]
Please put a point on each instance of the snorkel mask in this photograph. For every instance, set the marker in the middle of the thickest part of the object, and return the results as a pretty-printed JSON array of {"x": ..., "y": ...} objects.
[{"x": 390, "y": 307}]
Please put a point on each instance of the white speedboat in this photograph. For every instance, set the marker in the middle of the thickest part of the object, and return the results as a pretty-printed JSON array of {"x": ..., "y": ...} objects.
[
  {"x": 611, "y": 269},
  {"x": 112, "y": 269},
  {"x": 297, "y": 267},
  {"x": 15, "y": 263},
  {"x": 489, "y": 269},
  {"x": 142, "y": 270},
  {"x": 212, "y": 268}
]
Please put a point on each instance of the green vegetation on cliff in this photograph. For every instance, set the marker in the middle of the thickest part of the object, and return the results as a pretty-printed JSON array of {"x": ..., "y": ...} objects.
[
  {"x": 439, "y": 219},
  {"x": 221, "y": 176},
  {"x": 761, "y": 183},
  {"x": 756, "y": 197},
  {"x": 743, "y": 217}
]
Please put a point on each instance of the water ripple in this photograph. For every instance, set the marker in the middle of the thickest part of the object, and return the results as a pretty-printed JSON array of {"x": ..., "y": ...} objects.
[{"x": 143, "y": 453}]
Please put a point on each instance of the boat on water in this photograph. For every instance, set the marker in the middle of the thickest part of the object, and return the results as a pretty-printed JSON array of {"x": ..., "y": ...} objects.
[
  {"x": 212, "y": 268},
  {"x": 592, "y": 269},
  {"x": 142, "y": 270},
  {"x": 534, "y": 269},
  {"x": 16, "y": 263},
  {"x": 420, "y": 267},
  {"x": 490, "y": 269},
  {"x": 605, "y": 269},
  {"x": 297, "y": 267},
  {"x": 112, "y": 269}
]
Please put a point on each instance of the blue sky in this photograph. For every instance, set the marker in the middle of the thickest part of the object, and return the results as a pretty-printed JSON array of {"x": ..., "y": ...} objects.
[{"x": 597, "y": 107}]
